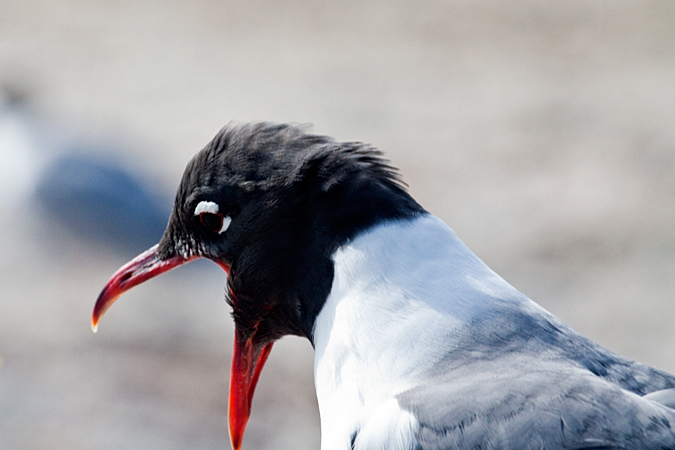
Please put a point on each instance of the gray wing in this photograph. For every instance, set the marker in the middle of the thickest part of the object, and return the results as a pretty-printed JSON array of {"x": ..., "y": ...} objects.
[
  {"x": 523, "y": 381},
  {"x": 665, "y": 397},
  {"x": 524, "y": 404}
]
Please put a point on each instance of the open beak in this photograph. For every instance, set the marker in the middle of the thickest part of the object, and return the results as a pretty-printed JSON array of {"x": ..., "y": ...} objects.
[
  {"x": 248, "y": 360},
  {"x": 141, "y": 268},
  {"x": 249, "y": 356}
]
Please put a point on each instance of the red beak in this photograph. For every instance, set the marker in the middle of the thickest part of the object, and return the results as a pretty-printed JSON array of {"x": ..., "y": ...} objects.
[
  {"x": 141, "y": 268},
  {"x": 247, "y": 363}
]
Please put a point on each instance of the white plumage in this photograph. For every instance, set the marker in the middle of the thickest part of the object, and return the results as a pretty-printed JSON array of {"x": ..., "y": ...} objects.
[{"x": 401, "y": 322}]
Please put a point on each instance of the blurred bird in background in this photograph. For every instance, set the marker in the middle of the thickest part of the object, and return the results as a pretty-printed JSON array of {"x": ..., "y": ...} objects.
[{"x": 78, "y": 181}]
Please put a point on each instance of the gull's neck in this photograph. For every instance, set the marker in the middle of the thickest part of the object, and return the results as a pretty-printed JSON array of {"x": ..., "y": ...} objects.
[{"x": 402, "y": 295}]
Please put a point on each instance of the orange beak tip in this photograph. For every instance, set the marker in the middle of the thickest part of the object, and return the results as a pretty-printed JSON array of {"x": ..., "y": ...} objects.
[{"x": 141, "y": 268}]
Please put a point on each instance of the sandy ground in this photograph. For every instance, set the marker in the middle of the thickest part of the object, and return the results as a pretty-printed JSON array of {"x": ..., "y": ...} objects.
[{"x": 542, "y": 131}]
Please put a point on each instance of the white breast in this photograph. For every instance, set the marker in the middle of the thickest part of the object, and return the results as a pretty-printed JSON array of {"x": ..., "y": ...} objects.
[{"x": 401, "y": 295}]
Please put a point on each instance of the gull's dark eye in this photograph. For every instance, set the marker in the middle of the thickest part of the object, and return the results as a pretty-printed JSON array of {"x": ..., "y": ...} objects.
[
  {"x": 210, "y": 216},
  {"x": 212, "y": 221}
]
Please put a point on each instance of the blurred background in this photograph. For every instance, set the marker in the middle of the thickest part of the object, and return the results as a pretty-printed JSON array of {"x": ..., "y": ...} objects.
[{"x": 542, "y": 131}]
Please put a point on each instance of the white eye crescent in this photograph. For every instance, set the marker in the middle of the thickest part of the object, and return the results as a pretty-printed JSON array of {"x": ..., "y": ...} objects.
[
  {"x": 207, "y": 207},
  {"x": 211, "y": 217},
  {"x": 227, "y": 220}
]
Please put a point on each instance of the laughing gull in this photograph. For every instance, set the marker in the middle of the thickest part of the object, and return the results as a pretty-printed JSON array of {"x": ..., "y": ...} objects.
[{"x": 419, "y": 345}]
